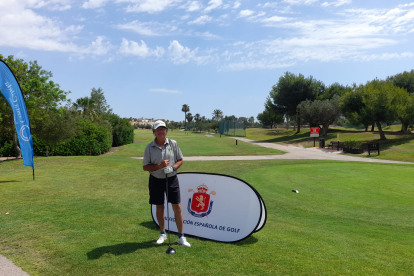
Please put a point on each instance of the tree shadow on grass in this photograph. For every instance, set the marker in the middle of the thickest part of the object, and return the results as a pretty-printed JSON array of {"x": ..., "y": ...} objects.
[
  {"x": 119, "y": 249},
  {"x": 7, "y": 181}
]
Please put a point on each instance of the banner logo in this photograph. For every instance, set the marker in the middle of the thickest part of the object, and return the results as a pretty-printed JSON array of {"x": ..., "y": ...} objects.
[
  {"x": 25, "y": 133},
  {"x": 200, "y": 205}
]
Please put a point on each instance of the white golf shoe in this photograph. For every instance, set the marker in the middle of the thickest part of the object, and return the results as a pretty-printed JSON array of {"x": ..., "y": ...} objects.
[
  {"x": 162, "y": 238},
  {"x": 183, "y": 241}
]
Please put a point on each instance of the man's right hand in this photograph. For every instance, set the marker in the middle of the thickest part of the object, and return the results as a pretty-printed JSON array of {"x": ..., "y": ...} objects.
[{"x": 164, "y": 163}]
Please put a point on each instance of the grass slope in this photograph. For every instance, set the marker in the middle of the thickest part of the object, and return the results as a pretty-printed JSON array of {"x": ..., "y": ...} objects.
[
  {"x": 90, "y": 216},
  {"x": 398, "y": 146},
  {"x": 198, "y": 144}
]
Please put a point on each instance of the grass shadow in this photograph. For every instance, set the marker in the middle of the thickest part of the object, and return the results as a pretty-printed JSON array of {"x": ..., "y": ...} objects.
[
  {"x": 247, "y": 241},
  {"x": 119, "y": 249},
  {"x": 150, "y": 225},
  {"x": 7, "y": 181}
]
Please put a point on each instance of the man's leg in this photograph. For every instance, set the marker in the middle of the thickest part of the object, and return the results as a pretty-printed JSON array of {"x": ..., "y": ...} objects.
[
  {"x": 160, "y": 217},
  {"x": 178, "y": 217}
]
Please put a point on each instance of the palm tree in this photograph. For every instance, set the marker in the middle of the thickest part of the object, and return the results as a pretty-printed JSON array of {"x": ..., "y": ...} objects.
[
  {"x": 185, "y": 109},
  {"x": 189, "y": 118},
  {"x": 251, "y": 120},
  {"x": 86, "y": 106},
  {"x": 197, "y": 117},
  {"x": 217, "y": 114}
]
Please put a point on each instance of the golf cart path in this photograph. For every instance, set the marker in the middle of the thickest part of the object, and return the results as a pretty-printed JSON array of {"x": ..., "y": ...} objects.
[
  {"x": 7, "y": 268},
  {"x": 292, "y": 152}
]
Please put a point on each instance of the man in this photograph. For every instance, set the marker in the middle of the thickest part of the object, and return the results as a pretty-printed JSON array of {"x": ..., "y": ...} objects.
[{"x": 159, "y": 155}]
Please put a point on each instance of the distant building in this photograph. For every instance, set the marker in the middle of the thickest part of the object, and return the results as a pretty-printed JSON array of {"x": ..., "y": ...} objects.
[{"x": 143, "y": 121}]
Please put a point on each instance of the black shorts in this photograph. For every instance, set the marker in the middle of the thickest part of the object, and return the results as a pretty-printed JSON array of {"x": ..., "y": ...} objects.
[{"x": 157, "y": 190}]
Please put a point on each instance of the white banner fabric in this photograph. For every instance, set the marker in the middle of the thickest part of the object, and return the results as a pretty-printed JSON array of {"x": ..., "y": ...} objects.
[{"x": 217, "y": 207}]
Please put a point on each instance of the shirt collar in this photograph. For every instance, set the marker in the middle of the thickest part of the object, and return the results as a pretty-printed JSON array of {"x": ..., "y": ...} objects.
[{"x": 154, "y": 144}]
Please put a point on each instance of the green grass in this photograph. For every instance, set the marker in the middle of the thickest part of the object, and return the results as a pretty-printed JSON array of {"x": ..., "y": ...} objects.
[
  {"x": 398, "y": 146},
  {"x": 198, "y": 144},
  {"x": 90, "y": 216}
]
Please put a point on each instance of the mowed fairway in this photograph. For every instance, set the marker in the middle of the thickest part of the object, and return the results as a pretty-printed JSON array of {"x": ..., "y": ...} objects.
[{"x": 90, "y": 216}]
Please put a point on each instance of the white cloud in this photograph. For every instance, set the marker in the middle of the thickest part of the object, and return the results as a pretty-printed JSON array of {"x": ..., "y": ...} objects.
[
  {"x": 26, "y": 29},
  {"x": 180, "y": 54},
  {"x": 336, "y": 3},
  {"x": 406, "y": 5},
  {"x": 245, "y": 13},
  {"x": 268, "y": 5},
  {"x": 236, "y": 5},
  {"x": 94, "y": 4},
  {"x": 202, "y": 20},
  {"x": 274, "y": 19},
  {"x": 148, "y": 28},
  {"x": 185, "y": 17},
  {"x": 163, "y": 90},
  {"x": 213, "y": 4},
  {"x": 53, "y": 5},
  {"x": 300, "y": 2},
  {"x": 149, "y": 6},
  {"x": 98, "y": 47},
  {"x": 207, "y": 35},
  {"x": 132, "y": 48},
  {"x": 192, "y": 6}
]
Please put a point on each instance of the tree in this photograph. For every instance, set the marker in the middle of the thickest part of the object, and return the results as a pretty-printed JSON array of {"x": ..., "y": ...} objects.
[
  {"x": 404, "y": 80},
  {"x": 406, "y": 112},
  {"x": 321, "y": 113},
  {"x": 353, "y": 108},
  {"x": 217, "y": 114},
  {"x": 334, "y": 89},
  {"x": 197, "y": 119},
  {"x": 189, "y": 117},
  {"x": 383, "y": 100},
  {"x": 269, "y": 117},
  {"x": 251, "y": 121},
  {"x": 101, "y": 106},
  {"x": 57, "y": 127},
  {"x": 377, "y": 101},
  {"x": 40, "y": 94},
  {"x": 230, "y": 118},
  {"x": 185, "y": 109},
  {"x": 291, "y": 90}
]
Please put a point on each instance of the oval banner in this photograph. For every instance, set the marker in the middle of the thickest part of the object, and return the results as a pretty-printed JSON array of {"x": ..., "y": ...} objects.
[{"x": 217, "y": 207}]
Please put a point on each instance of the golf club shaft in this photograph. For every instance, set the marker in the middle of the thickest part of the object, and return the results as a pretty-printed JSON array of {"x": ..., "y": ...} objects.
[{"x": 168, "y": 213}]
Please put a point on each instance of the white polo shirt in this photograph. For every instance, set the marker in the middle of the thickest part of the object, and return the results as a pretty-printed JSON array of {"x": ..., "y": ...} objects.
[{"x": 155, "y": 154}]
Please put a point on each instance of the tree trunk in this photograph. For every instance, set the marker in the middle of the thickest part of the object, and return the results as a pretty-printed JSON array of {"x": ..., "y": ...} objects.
[
  {"x": 372, "y": 128},
  {"x": 366, "y": 128},
  {"x": 381, "y": 133},
  {"x": 15, "y": 141},
  {"x": 294, "y": 123},
  {"x": 16, "y": 145},
  {"x": 325, "y": 129},
  {"x": 404, "y": 128},
  {"x": 298, "y": 117}
]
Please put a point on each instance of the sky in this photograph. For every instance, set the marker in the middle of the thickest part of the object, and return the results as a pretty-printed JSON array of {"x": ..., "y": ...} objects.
[{"x": 152, "y": 56}]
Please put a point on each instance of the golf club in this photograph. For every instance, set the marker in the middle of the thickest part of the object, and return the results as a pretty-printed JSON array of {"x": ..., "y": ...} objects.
[{"x": 170, "y": 250}]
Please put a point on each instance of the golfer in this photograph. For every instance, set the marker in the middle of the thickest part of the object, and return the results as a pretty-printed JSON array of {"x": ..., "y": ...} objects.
[{"x": 160, "y": 154}]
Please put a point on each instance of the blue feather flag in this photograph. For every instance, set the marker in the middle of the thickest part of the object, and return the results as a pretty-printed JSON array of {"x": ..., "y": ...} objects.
[{"x": 13, "y": 94}]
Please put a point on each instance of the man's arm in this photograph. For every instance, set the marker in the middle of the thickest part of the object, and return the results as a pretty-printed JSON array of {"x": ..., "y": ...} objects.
[
  {"x": 151, "y": 168},
  {"x": 178, "y": 164}
]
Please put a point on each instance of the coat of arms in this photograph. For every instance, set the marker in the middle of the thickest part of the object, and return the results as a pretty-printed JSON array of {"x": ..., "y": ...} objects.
[{"x": 200, "y": 205}]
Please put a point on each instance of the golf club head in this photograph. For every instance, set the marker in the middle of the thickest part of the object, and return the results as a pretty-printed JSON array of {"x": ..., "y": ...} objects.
[{"x": 170, "y": 250}]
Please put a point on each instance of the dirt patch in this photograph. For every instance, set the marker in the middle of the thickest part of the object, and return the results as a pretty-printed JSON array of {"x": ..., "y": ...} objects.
[
  {"x": 137, "y": 141},
  {"x": 112, "y": 150}
]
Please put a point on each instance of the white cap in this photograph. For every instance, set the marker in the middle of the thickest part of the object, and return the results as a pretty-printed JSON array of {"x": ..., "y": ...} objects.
[{"x": 158, "y": 124}]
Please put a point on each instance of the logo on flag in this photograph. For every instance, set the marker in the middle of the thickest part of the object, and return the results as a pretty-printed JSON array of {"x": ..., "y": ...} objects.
[{"x": 200, "y": 204}]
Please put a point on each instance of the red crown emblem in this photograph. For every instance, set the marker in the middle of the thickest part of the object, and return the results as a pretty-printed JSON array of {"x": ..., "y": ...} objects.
[{"x": 202, "y": 189}]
